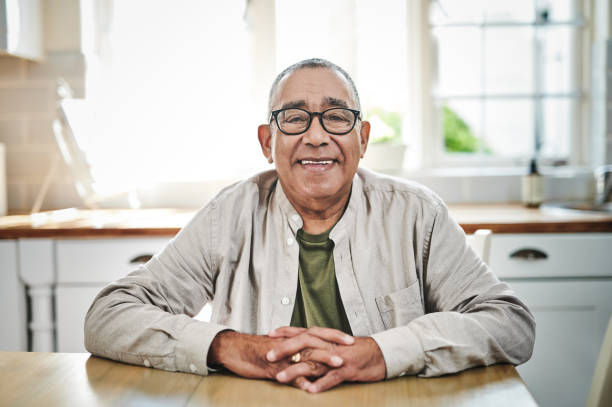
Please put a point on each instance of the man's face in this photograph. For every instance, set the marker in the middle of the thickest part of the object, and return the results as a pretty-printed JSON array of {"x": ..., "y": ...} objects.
[{"x": 315, "y": 165}]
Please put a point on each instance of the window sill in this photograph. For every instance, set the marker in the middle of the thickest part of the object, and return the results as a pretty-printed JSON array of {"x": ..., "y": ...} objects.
[{"x": 501, "y": 184}]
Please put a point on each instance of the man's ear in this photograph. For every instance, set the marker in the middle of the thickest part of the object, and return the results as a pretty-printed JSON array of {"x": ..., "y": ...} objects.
[
  {"x": 265, "y": 141},
  {"x": 364, "y": 136}
]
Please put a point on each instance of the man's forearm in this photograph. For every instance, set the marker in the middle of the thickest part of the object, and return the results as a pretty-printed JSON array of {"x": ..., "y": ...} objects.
[
  {"x": 447, "y": 342},
  {"x": 120, "y": 326}
]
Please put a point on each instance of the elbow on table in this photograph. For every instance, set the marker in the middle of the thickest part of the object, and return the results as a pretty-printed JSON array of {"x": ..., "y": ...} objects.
[
  {"x": 521, "y": 347},
  {"x": 93, "y": 330}
]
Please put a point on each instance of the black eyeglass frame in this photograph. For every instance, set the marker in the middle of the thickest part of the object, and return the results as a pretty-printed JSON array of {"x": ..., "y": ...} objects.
[{"x": 274, "y": 116}]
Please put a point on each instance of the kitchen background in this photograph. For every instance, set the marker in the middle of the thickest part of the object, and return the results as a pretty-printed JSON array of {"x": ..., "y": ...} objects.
[
  {"x": 166, "y": 97},
  {"x": 160, "y": 127}
]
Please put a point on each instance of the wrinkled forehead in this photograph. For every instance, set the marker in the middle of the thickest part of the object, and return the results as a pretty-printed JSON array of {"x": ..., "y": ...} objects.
[{"x": 313, "y": 88}]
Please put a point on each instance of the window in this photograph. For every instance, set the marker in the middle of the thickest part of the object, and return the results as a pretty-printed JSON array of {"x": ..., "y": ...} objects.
[
  {"x": 366, "y": 37},
  {"x": 171, "y": 85},
  {"x": 179, "y": 87},
  {"x": 508, "y": 79}
]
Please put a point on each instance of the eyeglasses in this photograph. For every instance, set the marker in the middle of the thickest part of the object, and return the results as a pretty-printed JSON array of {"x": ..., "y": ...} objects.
[{"x": 294, "y": 121}]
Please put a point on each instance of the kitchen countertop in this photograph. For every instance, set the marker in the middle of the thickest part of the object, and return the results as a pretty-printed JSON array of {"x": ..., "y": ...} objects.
[{"x": 84, "y": 223}]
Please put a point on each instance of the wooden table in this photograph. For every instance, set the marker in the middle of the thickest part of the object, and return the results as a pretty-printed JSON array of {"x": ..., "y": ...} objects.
[{"x": 79, "y": 379}]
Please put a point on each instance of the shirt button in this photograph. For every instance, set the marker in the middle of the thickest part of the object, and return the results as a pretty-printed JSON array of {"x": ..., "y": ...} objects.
[
  {"x": 290, "y": 241},
  {"x": 285, "y": 301},
  {"x": 147, "y": 363},
  {"x": 295, "y": 218},
  {"x": 193, "y": 367}
]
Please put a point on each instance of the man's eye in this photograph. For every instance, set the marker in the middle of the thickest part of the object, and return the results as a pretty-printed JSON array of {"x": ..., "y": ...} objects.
[
  {"x": 294, "y": 119},
  {"x": 337, "y": 118}
]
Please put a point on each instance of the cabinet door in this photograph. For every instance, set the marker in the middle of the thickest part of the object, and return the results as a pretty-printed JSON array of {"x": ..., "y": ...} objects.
[
  {"x": 98, "y": 261},
  {"x": 551, "y": 255},
  {"x": 12, "y": 300},
  {"x": 72, "y": 304},
  {"x": 571, "y": 319}
]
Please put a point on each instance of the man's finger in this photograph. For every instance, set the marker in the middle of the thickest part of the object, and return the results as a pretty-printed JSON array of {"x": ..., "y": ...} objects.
[
  {"x": 296, "y": 344},
  {"x": 286, "y": 331},
  {"x": 322, "y": 356},
  {"x": 328, "y": 334},
  {"x": 333, "y": 378},
  {"x": 301, "y": 383},
  {"x": 332, "y": 335},
  {"x": 302, "y": 369}
]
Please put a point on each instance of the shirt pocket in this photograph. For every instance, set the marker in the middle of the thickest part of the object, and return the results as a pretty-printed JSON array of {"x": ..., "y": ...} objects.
[{"x": 400, "y": 307}]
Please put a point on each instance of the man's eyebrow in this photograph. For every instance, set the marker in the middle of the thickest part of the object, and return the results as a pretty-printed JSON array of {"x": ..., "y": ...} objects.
[
  {"x": 292, "y": 104},
  {"x": 330, "y": 101}
]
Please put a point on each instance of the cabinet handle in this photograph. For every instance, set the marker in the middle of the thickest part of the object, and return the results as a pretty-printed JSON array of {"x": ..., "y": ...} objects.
[
  {"x": 528, "y": 254},
  {"x": 141, "y": 259}
]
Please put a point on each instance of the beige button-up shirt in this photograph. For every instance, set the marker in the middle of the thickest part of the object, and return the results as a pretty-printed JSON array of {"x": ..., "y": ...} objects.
[{"x": 406, "y": 276}]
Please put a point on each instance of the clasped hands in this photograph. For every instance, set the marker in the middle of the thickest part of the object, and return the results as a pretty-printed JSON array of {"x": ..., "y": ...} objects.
[{"x": 327, "y": 357}]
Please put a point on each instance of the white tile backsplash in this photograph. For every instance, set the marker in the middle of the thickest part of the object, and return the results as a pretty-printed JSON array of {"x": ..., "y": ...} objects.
[
  {"x": 11, "y": 69},
  {"x": 27, "y": 108},
  {"x": 12, "y": 133}
]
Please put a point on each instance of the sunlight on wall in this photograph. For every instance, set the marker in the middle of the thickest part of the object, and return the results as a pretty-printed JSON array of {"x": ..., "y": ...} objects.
[{"x": 171, "y": 94}]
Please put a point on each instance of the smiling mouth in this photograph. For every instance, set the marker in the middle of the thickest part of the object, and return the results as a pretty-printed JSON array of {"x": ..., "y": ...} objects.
[
  {"x": 317, "y": 166},
  {"x": 316, "y": 162}
]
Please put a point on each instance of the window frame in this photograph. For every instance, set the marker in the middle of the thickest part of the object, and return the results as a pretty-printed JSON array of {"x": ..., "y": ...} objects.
[{"x": 432, "y": 142}]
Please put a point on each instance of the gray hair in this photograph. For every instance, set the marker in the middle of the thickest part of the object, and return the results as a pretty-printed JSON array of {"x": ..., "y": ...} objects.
[{"x": 312, "y": 63}]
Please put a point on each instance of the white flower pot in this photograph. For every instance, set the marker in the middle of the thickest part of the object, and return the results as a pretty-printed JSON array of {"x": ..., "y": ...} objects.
[{"x": 384, "y": 157}]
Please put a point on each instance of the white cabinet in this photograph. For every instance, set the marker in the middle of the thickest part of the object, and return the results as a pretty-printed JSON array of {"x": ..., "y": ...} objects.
[
  {"x": 72, "y": 304},
  {"x": 552, "y": 255},
  {"x": 571, "y": 318},
  {"x": 21, "y": 28},
  {"x": 12, "y": 300},
  {"x": 83, "y": 267},
  {"x": 566, "y": 281}
]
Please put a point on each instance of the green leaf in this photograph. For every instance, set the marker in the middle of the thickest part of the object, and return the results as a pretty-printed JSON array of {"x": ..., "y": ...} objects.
[
  {"x": 458, "y": 137},
  {"x": 393, "y": 122}
]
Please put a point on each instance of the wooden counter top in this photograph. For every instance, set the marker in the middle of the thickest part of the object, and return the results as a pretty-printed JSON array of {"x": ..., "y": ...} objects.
[
  {"x": 70, "y": 223},
  {"x": 78, "y": 379},
  {"x": 515, "y": 218}
]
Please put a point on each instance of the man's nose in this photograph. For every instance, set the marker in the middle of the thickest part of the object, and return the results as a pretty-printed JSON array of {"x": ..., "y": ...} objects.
[{"x": 316, "y": 134}]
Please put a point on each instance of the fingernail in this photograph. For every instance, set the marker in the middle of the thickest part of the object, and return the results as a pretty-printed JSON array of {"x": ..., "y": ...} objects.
[
  {"x": 305, "y": 385},
  {"x": 336, "y": 360},
  {"x": 313, "y": 388},
  {"x": 349, "y": 340},
  {"x": 271, "y": 356},
  {"x": 282, "y": 376}
]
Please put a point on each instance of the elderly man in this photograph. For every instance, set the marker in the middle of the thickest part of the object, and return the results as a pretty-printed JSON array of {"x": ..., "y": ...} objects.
[{"x": 318, "y": 272}]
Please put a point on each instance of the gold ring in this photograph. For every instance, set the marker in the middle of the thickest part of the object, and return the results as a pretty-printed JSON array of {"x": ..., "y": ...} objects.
[{"x": 296, "y": 357}]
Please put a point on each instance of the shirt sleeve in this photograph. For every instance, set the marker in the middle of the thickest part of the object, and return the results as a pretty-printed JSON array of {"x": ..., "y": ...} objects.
[
  {"x": 146, "y": 319},
  {"x": 472, "y": 319}
]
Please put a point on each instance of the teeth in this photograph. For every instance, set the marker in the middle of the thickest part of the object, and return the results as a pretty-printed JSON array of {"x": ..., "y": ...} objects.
[{"x": 317, "y": 162}]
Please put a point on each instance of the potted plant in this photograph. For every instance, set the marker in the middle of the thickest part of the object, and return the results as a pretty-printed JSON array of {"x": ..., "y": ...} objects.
[{"x": 386, "y": 149}]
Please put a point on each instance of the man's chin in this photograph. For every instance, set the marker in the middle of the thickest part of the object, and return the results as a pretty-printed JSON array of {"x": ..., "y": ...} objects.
[{"x": 321, "y": 191}]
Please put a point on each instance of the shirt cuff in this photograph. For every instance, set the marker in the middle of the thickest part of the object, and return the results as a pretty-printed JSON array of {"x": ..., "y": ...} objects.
[
  {"x": 402, "y": 351},
  {"x": 193, "y": 343}
]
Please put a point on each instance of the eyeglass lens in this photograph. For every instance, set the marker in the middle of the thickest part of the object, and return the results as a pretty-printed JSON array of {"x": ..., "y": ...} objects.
[{"x": 337, "y": 120}]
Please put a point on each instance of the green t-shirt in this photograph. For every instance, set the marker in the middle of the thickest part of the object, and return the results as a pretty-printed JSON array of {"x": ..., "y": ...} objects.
[{"x": 318, "y": 301}]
